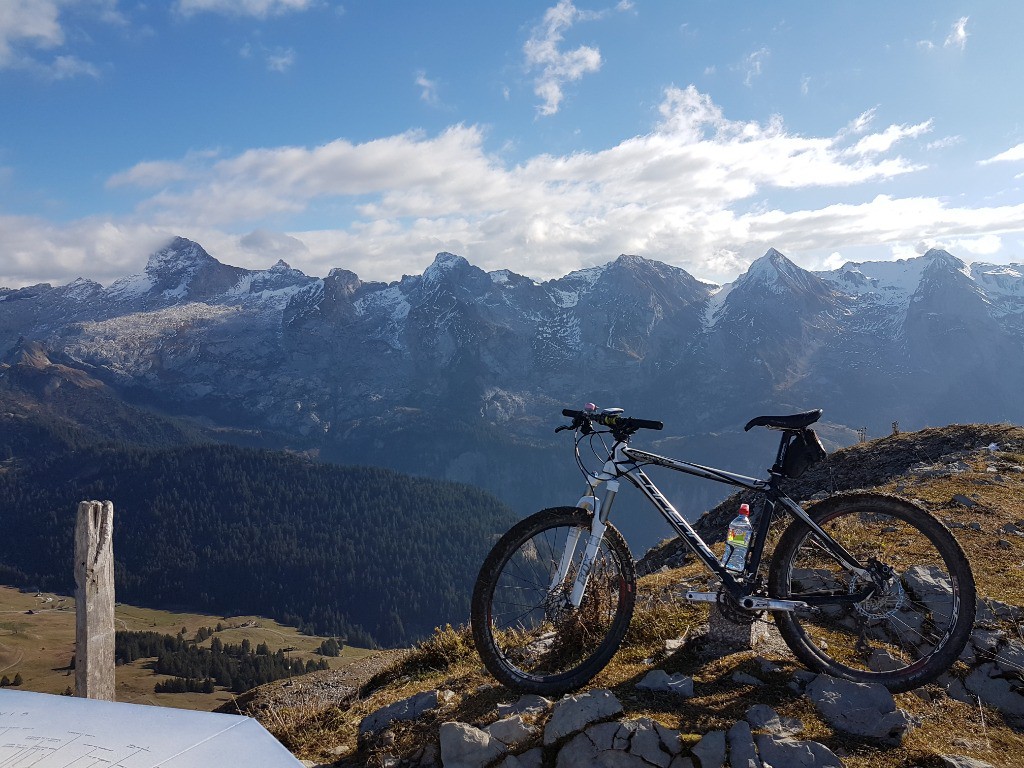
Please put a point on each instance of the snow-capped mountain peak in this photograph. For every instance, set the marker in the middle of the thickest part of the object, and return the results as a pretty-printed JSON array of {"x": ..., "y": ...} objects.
[{"x": 177, "y": 257}]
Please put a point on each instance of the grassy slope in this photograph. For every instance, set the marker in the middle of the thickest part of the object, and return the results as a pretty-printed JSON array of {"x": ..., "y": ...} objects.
[
  {"x": 947, "y": 726},
  {"x": 40, "y": 645}
]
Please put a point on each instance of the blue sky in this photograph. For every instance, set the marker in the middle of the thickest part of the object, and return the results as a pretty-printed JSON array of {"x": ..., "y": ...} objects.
[{"x": 536, "y": 136}]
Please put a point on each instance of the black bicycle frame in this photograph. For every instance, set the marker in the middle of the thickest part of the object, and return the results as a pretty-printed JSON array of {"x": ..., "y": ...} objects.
[{"x": 768, "y": 488}]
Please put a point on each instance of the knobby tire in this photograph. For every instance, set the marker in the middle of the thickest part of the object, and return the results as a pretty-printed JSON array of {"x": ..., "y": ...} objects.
[
  {"x": 902, "y": 635},
  {"x": 525, "y": 633}
]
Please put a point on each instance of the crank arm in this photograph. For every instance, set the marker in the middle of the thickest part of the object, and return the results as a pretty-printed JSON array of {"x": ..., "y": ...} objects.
[{"x": 750, "y": 603}]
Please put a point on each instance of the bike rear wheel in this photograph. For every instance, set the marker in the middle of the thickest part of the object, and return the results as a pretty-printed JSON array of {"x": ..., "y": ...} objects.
[
  {"x": 525, "y": 630},
  {"x": 908, "y": 628}
]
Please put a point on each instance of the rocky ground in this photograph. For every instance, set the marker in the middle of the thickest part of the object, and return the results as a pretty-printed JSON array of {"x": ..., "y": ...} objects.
[{"x": 671, "y": 699}]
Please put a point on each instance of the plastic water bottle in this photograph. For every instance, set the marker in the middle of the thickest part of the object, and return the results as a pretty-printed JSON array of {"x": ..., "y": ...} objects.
[{"x": 740, "y": 531}]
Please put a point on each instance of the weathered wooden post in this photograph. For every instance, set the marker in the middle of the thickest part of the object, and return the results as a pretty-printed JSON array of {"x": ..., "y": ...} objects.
[{"x": 94, "y": 600}]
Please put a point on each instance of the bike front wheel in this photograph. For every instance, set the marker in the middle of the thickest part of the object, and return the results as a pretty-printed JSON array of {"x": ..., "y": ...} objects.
[
  {"x": 904, "y": 626},
  {"x": 525, "y": 629}
]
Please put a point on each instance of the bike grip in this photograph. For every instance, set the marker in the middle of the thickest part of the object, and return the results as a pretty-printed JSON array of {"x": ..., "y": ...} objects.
[
  {"x": 648, "y": 424},
  {"x": 571, "y": 413}
]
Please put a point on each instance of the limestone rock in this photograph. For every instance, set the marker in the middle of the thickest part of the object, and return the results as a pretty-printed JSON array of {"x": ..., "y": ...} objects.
[
  {"x": 741, "y": 747},
  {"x": 789, "y": 753},
  {"x": 659, "y": 680},
  {"x": 463, "y": 746},
  {"x": 528, "y": 704},
  {"x": 1003, "y": 693},
  {"x": 574, "y": 713},
  {"x": 861, "y": 709},
  {"x": 959, "y": 761},
  {"x": 533, "y": 758},
  {"x": 647, "y": 745},
  {"x": 710, "y": 750},
  {"x": 510, "y": 730},
  {"x": 764, "y": 718},
  {"x": 406, "y": 709}
]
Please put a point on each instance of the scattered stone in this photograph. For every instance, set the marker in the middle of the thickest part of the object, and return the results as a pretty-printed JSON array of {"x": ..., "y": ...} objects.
[
  {"x": 728, "y": 636},
  {"x": 959, "y": 761},
  {"x": 669, "y": 738},
  {"x": 989, "y": 610},
  {"x": 659, "y": 680},
  {"x": 930, "y": 585},
  {"x": 764, "y": 718},
  {"x": 789, "y": 753},
  {"x": 510, "y": 730},
  {"x": 710, "y": 750},
  {"x": 609, "y": 736},
  {"x": 987, "y": 681},
  {"x": 533, "y": 758},
  {"x": 741, "y": 747},
  {"x": 463, "y": 746},
  {"x": 646, "y": 744},
  {"x": 768, "y": 667},
  {"x": 975, "y": 526},
  {"x": 883, "y": 661},
  {"x": 861, "y": 709},
  {"x": 804, "y": 676},
  {"x": 1010, "y": 657},
  {"x": 574, "y": 713},
  {"x": 671, "y": 646},
  {"x": 525, "y": 705},
  {"x": 406, "y": 709},
  {"x": 744, "y": 679},
  {"x": 964, "y": 501},
  {"x": 1003, "y": 544}
]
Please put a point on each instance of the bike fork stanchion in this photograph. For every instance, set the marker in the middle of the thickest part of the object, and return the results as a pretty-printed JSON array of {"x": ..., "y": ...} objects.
[{"x": 597, "y": 529}]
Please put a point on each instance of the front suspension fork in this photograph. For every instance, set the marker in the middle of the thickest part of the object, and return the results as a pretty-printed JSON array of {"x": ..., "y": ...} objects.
[{"x": 598, "y": 525}]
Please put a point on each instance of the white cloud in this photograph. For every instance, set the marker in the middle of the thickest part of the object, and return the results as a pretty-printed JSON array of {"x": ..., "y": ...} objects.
[
  {"x": 280, "y": 59},
  {"x": 32, "y": 23},
  {"x": 1012, "y": 155},
  {"x": 882, "y": 142},
  {"x": 558, "y": 67},
  {"x": 428, "y": 89},
  {"x": 944, "y": 143},
  {"x": 30, "y": 29},
  {"x": 260, "y": 9},
  {"x": 753, "y": 65},
  {"x": 698, "y": 190},
  {"x": 38, "y": 251},
  {"x": 862, "y": 122},
  {"x": 958, "y": 35}
]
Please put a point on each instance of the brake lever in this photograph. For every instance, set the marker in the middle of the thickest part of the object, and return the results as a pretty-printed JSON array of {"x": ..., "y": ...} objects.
[{"x": 564, "y": 426}]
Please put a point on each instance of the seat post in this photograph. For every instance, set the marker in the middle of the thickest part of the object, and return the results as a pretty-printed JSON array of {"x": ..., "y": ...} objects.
[{"x": 781, "y": 455}]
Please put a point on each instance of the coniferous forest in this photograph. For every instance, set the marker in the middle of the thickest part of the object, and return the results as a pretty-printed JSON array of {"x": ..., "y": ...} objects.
[
  {"x": 197, "y": 669},
  {"x": 366, "y": 554}
]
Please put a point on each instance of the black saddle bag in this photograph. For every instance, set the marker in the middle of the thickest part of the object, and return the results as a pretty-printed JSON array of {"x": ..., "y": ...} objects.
[{"x": 803, "y": 452}]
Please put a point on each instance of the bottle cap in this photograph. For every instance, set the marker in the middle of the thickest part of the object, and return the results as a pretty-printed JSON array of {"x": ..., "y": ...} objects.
[{"x": 744, "y": 509}]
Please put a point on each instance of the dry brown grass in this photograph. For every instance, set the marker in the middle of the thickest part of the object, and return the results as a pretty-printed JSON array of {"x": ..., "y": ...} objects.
[{"x": 447, "y": 661}]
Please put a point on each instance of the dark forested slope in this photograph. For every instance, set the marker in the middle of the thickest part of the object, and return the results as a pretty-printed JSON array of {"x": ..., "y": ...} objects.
[{"x": 366, "y": 553}]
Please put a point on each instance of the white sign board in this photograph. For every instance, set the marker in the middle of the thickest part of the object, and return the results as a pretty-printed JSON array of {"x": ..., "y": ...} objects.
[{"x": 40, "y": 730}]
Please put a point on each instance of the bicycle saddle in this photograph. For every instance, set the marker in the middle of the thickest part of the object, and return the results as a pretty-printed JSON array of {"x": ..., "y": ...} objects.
[{"x": 793, "y": 421}]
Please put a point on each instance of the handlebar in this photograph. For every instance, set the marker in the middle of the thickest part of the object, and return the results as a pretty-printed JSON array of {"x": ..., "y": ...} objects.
[{"x": 616, "y": 422}]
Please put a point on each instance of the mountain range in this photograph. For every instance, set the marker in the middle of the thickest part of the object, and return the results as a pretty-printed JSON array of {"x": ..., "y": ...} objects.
[{"x": 461, "y": 374}]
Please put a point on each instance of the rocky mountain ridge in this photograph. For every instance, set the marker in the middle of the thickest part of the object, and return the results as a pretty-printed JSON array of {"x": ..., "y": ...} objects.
[{"x": 460, "y": 374}]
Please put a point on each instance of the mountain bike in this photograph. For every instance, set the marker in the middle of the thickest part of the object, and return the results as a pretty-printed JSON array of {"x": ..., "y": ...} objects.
[{"x": 862, "y": 586}]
